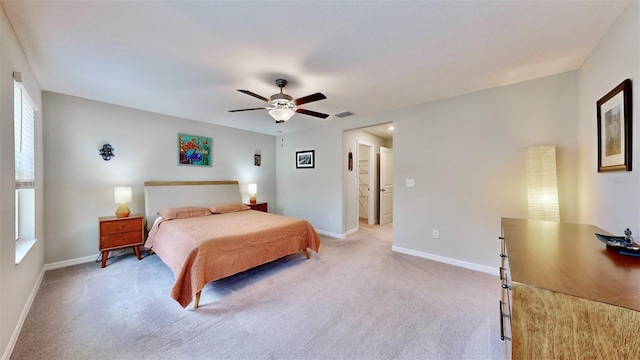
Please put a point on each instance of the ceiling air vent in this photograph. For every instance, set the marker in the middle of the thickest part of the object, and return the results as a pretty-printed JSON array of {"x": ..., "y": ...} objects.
[{"x": 343, "y": 114}]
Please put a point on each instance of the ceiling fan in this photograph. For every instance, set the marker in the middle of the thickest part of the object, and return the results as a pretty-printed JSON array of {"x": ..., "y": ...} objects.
[{"x": 282, "y": 106}]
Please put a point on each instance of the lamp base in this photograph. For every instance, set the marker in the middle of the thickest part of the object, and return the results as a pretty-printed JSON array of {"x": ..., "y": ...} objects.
[
  {"x": 252, "y": 199},
  {"x": 122, "y": 210}
]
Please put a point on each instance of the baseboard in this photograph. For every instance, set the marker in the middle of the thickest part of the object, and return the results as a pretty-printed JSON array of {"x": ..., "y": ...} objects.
[
  {"x": 352, "y": 231},
  {"x": 446, "y": 260},
  {"x": 23, "y": 316},
  {"x": 65, "y": 263},
  {"x": 333, "y": 235}
]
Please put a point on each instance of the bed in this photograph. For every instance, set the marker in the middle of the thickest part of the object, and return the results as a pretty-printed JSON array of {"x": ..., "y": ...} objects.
[{"x": 207, "y": 234}]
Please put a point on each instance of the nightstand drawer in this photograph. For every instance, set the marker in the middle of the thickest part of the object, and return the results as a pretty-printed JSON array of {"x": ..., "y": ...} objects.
[
  {"x": 120, "y": 226},
  {"x": 120, "y": 240}
]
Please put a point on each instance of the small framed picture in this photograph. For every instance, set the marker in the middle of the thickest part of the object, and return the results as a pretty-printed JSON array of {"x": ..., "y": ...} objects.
[
  {"x": 305, "y": 159},
  {"x": 614, "y": 129}
]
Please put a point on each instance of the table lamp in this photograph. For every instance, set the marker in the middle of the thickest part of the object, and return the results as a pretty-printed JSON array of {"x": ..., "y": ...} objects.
[
  {"x": 122, "y": 195},
  {"x": 253, "y": 190}
]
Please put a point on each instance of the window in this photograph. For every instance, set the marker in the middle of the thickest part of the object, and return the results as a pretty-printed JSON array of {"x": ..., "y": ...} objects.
[
  {"x": 24, "y": 148},
  {"x": 24, "y": 137}
]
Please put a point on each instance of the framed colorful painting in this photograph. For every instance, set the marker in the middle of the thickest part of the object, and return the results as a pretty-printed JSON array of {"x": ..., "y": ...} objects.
[{"x": 194, "y": 150}]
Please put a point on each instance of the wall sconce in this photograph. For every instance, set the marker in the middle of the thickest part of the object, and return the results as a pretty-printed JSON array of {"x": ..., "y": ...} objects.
[
  {"x": 122, "y": 196},
  {"x": 107, "y": 152},
  {"x": 542, "y": 183},
  {"x": 257, "y": 157},
  {"x": 253, "y": 190}
]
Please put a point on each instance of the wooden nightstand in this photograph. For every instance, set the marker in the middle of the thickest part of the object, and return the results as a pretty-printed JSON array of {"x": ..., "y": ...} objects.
[
  {"x": 261, "y": 206},
  {"x": 116, "y": 233}
]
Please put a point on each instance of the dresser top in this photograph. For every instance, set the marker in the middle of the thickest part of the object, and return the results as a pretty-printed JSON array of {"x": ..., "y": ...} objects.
[{"x": 568, "y": 258}]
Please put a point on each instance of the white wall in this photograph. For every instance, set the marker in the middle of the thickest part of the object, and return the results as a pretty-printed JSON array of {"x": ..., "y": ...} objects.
[
  {"x": 79, "y": 183},
  {"x": 466, "y": 155},
  {"x": 312, "y": 194},
  {"x": 610, "y": 200},
  {"x": 17, "y": 282}
]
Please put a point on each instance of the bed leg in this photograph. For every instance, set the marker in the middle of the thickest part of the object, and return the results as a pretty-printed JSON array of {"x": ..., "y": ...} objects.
[
  {"x": 197, "y": 300},
  {"x": 306, "y": 253},
  {"x": 150, "y": 251}
]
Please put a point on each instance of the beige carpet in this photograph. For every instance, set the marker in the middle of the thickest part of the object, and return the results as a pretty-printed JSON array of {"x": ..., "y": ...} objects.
[{"x": 355, "y": 300}]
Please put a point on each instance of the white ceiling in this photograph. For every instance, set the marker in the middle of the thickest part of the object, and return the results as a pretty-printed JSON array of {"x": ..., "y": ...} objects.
[{"x": 188, "y": 58}]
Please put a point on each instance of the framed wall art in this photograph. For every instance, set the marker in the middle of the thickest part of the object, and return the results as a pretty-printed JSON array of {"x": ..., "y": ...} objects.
[
  {"x": 305, "y": 159},
  {"x": 194, "y": 150},
  {"x": 614, "y": 129}
]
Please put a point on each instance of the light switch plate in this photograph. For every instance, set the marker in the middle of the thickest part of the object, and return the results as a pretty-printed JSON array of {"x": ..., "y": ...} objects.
[{"x": 411, "y": 183}]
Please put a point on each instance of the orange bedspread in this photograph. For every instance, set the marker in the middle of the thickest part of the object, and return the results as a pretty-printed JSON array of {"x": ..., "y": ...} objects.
[{"x": 203, "y": 249}]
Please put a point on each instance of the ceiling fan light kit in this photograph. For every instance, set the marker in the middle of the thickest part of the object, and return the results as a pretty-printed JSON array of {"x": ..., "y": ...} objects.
[
  {"x": 282, "y": 106},
  {"x": 281, "y": 114}
]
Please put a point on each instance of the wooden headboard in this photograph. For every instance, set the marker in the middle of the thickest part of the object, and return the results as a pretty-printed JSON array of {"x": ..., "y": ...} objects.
[{"x": 160, "y": 195}]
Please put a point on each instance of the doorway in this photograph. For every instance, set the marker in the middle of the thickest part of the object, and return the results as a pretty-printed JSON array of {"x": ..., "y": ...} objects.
[
  {"x": 368, "y": 195},
  {"x": 366, "y": 183}
]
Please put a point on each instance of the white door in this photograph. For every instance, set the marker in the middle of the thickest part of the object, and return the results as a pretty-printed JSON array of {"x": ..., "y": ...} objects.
[{"x": 386, "y": 185}]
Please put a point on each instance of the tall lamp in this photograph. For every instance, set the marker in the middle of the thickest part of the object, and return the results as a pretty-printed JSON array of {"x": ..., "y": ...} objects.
[
  {"x": 542, "y": 183},
  {"x": 122, "y": 196},
  {"x": 253, "y": 190}
]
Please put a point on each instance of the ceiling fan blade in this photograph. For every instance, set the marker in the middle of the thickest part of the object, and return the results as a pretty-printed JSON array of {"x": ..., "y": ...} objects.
[
  {"x": 254, "y": 95},
  {"x": 248, "y": 109},
  {"x": 312, "y": 113},
  {"x": 310, "y": 98}
]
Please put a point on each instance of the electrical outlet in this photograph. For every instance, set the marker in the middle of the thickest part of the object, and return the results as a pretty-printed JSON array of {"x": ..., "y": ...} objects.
[
  {"x": 411, "y": 182},
  {"x": 436, "y": 234}
]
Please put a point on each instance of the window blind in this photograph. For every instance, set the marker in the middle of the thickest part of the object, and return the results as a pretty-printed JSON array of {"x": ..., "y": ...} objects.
[{"x": 24, "y": 137}]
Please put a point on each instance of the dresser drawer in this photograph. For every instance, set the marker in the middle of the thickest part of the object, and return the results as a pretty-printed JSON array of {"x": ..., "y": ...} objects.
[
  {"x": 120, "y": 226},
  {"x": 120, "y": 240},
  {"x": 505, "y": 331}
]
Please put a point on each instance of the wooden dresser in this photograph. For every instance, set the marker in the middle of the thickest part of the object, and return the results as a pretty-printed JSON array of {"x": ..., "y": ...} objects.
[{"x": 565, "y": 296}]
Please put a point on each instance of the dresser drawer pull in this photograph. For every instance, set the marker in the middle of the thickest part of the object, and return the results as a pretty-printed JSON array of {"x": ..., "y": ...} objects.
[
  {"x": 501, "y": 237},
  {"x": 505, "y": 286},
  {"x": 503, "y": 255},
  {"x": 502, "y": 316}
]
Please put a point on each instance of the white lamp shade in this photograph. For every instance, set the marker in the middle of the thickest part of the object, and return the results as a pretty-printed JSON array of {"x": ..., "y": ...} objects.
[
  {"x": 122, "y": 194},
  {"x": 281, "y": 114},
  {"x": 542, "y": 183},
  {"x": 253, "y": 189}
]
